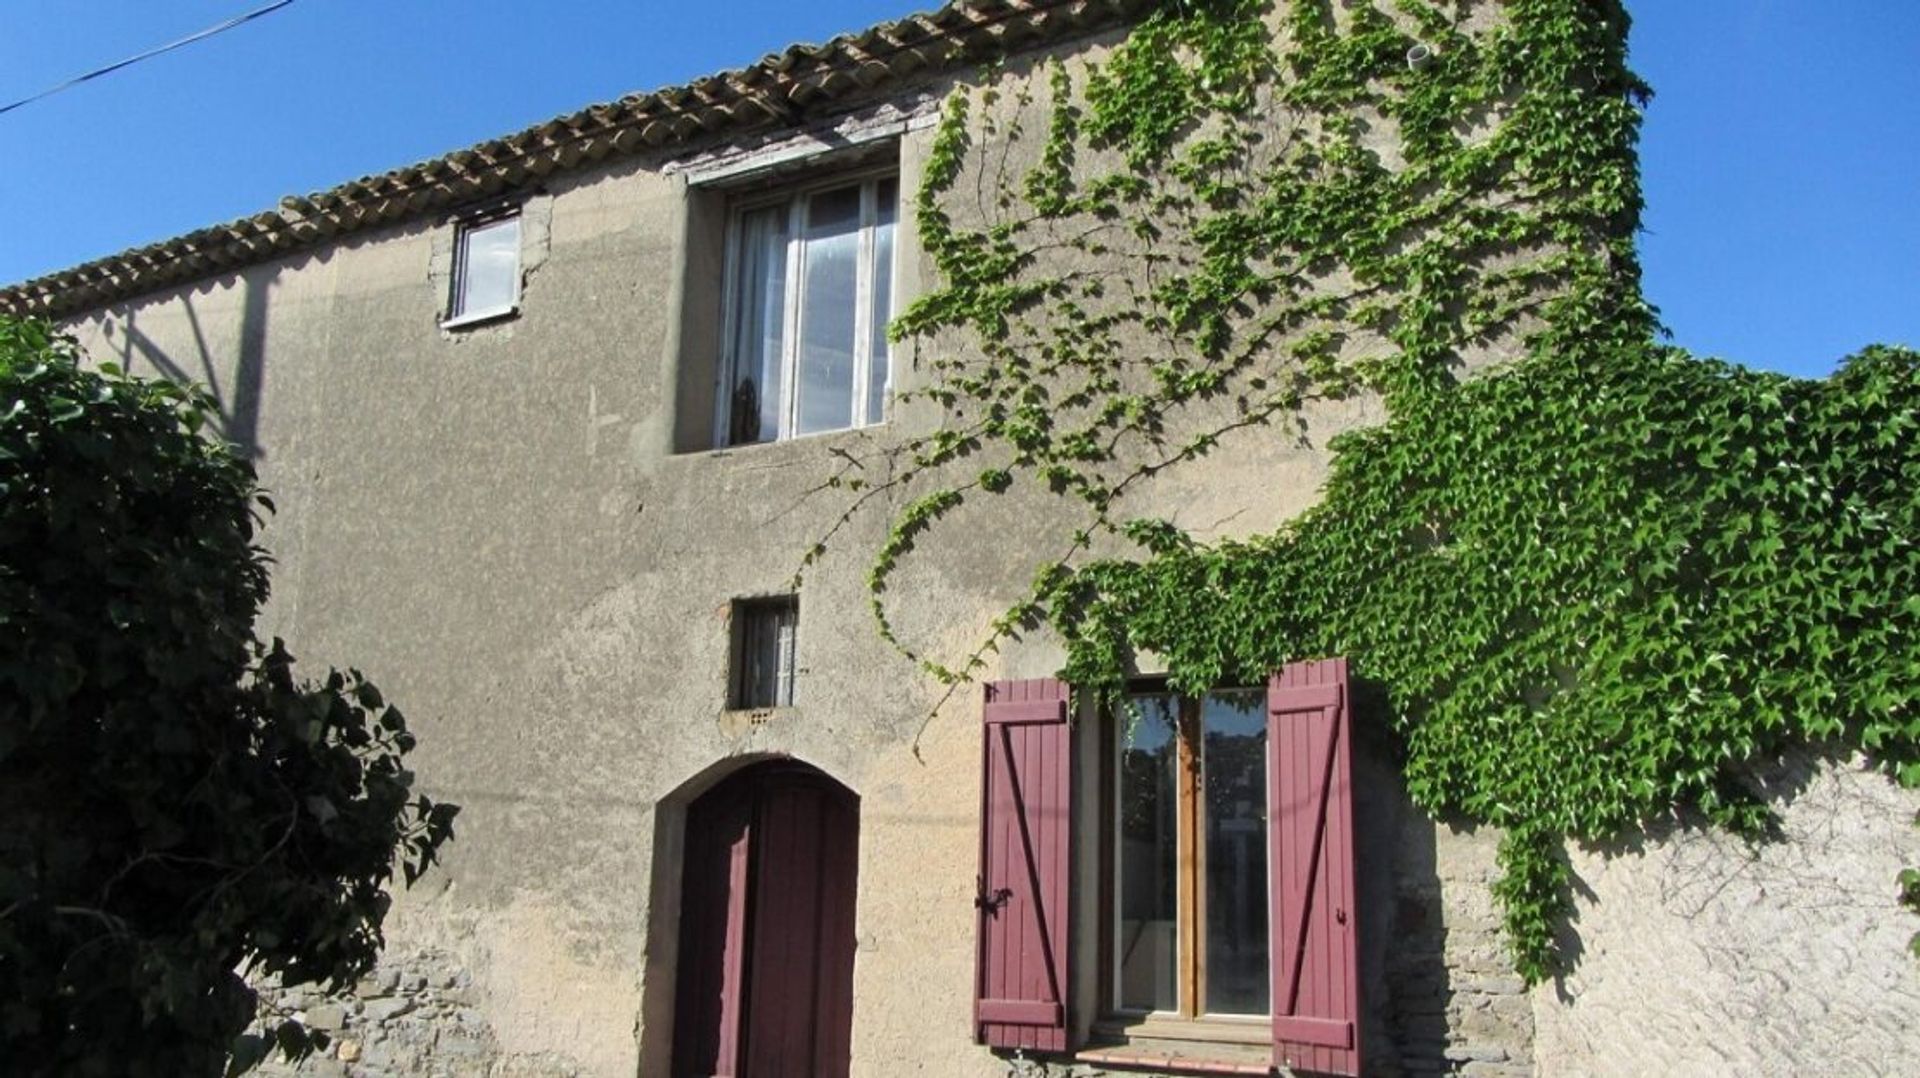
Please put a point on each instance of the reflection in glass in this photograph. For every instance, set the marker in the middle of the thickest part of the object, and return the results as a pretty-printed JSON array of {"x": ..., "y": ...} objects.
[
  {"x": 1233, "y": 728},
  {"x": 760, "y": 326},
  {"x": 490, "y": 267},
  {"x": 1147, "y": 951},
  {"x": 829, "y": 311},
  {"x": 886, "y": 195}
]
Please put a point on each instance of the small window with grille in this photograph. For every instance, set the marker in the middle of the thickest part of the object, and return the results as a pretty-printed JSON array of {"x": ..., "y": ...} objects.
[{"x": 763, "y": 652}]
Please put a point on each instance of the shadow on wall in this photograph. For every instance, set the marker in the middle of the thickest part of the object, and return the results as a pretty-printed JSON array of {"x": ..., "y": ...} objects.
[
  {"x": 1438, "y": 989},
  {"x": 1703, "y": 867},
  {"x": 235, "y": 382}
]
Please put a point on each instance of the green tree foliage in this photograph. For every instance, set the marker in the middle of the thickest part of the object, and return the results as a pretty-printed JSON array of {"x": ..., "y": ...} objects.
[
  {"x": 177, "y": 805},
  {"x": 1597, "y": 585}
]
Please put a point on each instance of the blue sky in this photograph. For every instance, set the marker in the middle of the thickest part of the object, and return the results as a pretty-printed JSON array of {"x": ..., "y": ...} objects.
[{"x": 1782, "y": 154}]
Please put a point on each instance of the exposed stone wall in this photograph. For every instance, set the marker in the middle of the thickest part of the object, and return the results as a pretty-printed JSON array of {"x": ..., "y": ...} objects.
[
  {"x": 1455, "y": 1004},
  {"x": 417, "y": 1016}
]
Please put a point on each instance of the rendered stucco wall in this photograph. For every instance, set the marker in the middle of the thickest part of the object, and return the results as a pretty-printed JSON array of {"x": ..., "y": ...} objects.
[
  {"x": 1698, "y": 956},
  {"x": 495, "y": 524},
  {"x": 492, "y": 523}
]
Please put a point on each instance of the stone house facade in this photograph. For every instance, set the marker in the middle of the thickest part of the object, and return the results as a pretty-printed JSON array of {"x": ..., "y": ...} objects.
[{"x": 542, "y": 418}]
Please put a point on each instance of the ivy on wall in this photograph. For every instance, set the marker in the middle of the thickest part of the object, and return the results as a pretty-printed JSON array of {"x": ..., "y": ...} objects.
[{"x": 1596, "y": 584}]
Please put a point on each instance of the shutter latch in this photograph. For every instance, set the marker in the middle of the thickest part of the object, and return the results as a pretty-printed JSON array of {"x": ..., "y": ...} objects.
[{"x": 990, "y": 903}]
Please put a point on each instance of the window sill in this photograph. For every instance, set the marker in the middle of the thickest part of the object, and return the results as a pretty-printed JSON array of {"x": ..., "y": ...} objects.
[
  {"x": 1207, "y": 1046},
  {"x": 812, "y": 435},
  {"x": 1179, "y": 1056},
  {"x": 1250, "y": 1030},
  {"x": 479, "y": 318}
]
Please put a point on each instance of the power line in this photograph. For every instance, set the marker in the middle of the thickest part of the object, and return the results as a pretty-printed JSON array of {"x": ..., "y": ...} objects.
[{"x": 150, "y": 53}]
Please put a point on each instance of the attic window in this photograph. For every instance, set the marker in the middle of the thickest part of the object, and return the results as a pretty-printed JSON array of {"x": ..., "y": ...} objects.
[
  {"x": 486, "y": 268},
  {"x": 763, "y": 668}
]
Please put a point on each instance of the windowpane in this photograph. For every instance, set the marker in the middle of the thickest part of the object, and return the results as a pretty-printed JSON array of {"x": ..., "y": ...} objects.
[
  {"x": 763, "y": 657},
  {"x": 887, "y": 194},
  {"x": 827, "y": 318},
  {"x": 759, "y": 329},
  {"x": 811, "y": 280},
  {"x": 1147, "y": 957},
  {"x": 489, "y": 267},
  {"x": 1233, "y": 798}
]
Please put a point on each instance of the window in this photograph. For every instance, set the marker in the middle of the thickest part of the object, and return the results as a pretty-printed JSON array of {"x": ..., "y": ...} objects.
[
  {"x": 763, "y": 650},
  {"x": 1225, "y": 931},
  {"x": 1189, "y": 918},
  {"x": 486, "y": 268},
  {"x": 808, "y": 296}
]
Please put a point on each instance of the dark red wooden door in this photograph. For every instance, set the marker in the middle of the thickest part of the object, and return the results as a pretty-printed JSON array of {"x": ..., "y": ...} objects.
[
  {"x": 767, "y": 928},
  {"x": 799, "y": 974},
  {"x": 707, "y": 1003}
]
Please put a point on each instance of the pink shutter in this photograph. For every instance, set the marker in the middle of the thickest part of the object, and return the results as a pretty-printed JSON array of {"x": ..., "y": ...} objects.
[
  {"x": 1316, "y": 984},
  {"x": 1021, "y": 972}
]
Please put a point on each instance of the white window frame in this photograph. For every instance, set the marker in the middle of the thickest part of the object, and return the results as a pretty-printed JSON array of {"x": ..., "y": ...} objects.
[
  {"x": 797, "y": 198},
  {"x": 464, "y": 230}
]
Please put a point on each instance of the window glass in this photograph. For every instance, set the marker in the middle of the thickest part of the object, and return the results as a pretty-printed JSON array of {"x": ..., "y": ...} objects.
[
  {"x": 1146, "y": 956},
  {"x": 1190, "y": 909},
  {"x": 760, "y": 329},
  {"x": 1233, "y": 798},
  {"x": 489, "y": 270},
  {"x": 764, "y": 637},
  {"x": 829, "y": 311},
  {"x": 809, "y": 296},
  {"x": 877, "y": 371}
]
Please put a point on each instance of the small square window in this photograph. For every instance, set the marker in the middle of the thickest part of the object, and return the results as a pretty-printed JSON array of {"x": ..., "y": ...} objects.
[
  {"x": 763, "y": 651},
  {"x": 486, "y": 268},
  {"x": 809, "y": 277}
]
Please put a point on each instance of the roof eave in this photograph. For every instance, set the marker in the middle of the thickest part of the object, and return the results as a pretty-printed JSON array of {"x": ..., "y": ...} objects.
[{"x": 772, "y": 92}]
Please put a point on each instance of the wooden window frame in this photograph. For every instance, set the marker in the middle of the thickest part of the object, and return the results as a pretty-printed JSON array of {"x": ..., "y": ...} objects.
[
  {"x": 796, "y": 196},
  {"x": 1187, "y": 1022}
]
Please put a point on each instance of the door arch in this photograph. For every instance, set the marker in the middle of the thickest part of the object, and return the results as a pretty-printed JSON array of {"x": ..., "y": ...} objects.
[{"x": 764, "y": 987}]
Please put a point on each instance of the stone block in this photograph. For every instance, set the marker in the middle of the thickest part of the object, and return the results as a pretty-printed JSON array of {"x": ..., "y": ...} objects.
[
  {"x": 329, "y": 1017},
  {"x": 1475, "y": 1053},
  {"x": 386, "y": 1010},
  {"x": 1483, "y": 1069},
  {"x": 1495, "y": 985}
]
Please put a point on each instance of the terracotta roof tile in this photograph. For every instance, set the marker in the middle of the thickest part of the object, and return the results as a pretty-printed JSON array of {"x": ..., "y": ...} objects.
[{"x": 763, "y": 94}]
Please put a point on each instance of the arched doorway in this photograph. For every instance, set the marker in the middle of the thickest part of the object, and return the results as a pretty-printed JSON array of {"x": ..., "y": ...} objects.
[{"x": 765, "y": 981}]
